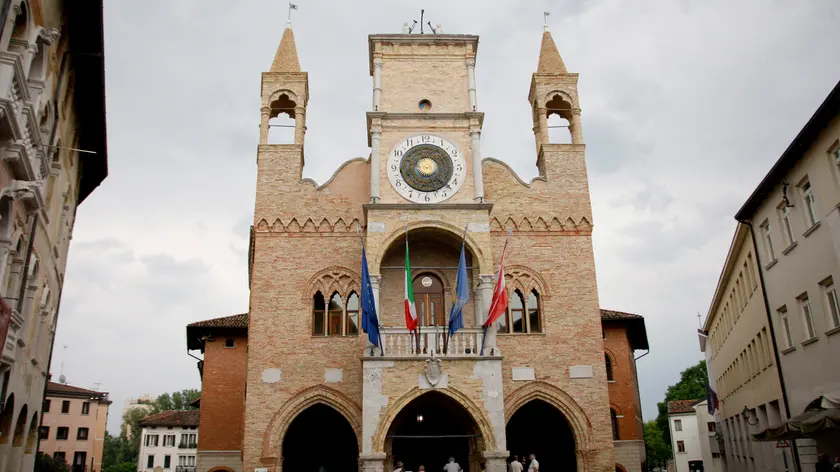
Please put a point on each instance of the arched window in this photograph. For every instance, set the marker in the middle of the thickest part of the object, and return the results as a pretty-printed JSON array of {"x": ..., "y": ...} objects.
[
  {"x": 609, "y": 367},
  {"x": 559, "y": 114},
  {"x": 33, "y": 267},
  {"x": 281, "y": 122},
  {"x": 319, "y": 310},
  {"x": 335, "y": 310},
  {"x": 6, "y": 419},
  {"x": 353, "y": 314},
  {"x": 534, "y": 325},
  {"x": 38, "y": 66},
  {"x": 19, "y": 30},
  {"x": 517, "y": 312},
  {"x": 614, "y": 421}
]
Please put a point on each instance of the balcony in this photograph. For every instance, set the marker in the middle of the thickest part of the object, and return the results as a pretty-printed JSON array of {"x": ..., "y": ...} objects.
[
  {"x": 399, "y": 342},
  {"x": 20, "y": 135},
  {"x": 185, "y": 468},
  {"x": 184, "y": 445},
  {"x": 12, "y": 337}
]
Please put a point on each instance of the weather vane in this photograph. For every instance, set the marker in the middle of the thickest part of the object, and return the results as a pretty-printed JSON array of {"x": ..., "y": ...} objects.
[
  {"x": 408, "y": 29},
  {"x": 292, "y": 6},
  {"x": 545, "y": 18}
]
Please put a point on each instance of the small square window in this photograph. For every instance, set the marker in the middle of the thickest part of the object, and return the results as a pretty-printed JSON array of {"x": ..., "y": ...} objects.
[
  {"x": 44, "y": 432},
  {"x": 711, "y": 426},
  {"x": 82, "y": 434},
  {"x": 47, "y": 403},
  {"x": 62, "y": 433},
  {"x": 229, "y": 343},
  {"x": 680, "y": 446},
  {"x": 677, "y": 425}
]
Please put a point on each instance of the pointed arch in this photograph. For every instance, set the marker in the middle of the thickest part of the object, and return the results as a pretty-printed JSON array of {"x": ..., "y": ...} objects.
[
  {"x": 20, "y": 427},
  {"x": 325, "y": 226},
  {"x": 570, "y": 224},
  {"x": 556, "y": 225},
  {"x": 32, "y": 436},
  {"x": 584, "y": 224},
  {"x": 525, "y": 225},
  {"x": 280, "y": 421},
  {"x": 277, "y": 226},
  {"x": 262, "y": 225},
  {"x": 540, "y": 225},
  {"x": 495, "y": 225},
  {"x": 293, "y": 226},
  {"x": 510, "y": 224},
  {"x": 309, "y": 226},
  {"x": 340, "y": 226},
  {"x": 6, "y": 418},
  {"x": 540, "y": 390},
  {"x": 474, "y": 411}
]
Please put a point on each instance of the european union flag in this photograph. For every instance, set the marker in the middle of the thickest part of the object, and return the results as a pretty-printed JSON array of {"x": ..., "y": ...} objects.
[
  {"x": 370, "y": 323},
  {"x": 461, "y": 295}
]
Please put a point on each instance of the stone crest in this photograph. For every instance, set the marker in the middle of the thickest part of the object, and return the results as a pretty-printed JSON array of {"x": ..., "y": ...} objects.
[{"x": 434, "y": 370}]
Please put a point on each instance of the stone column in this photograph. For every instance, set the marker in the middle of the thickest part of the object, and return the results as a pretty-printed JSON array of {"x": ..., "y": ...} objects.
[
  {"x": 478, "y": 178},
  {"x": 29, "y": 315},
  {"x": 373, "y": 462},
  {"x": 485, "y": 286},
  {"x": 577, "y": 129},
  {"x": 300, "y": 125},
  {"x": 377, "y": 83},
  {"x": 375, "y": 138},
  {"x": 543, "y": 125},
  {"x": 265, "y": 114},
  {"x": 495, "y": 461},
  {"x": 471, "y": 83}
]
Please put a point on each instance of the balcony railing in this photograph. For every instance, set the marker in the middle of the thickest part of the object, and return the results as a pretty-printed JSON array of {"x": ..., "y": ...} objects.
[
  {"x": 184, "y": 445},
  {"x": 399, "y": 342},
  {"x": 185, "y": 468}
]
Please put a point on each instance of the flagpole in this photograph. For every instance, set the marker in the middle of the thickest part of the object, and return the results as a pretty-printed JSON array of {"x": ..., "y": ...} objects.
[
  {"x": 504, "y": 251},
  {"x": 378, "y": 332}
]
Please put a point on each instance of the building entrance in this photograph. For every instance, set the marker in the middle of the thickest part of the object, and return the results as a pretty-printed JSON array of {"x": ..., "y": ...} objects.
[
  {"x": 320, "y": 437},
  {"x": 541, "y": 429},
  {"x": 429, "y": 430}
]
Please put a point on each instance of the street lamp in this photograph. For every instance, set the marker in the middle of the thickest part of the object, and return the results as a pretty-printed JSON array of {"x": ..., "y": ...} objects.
[{"x": 746, "y": 415}]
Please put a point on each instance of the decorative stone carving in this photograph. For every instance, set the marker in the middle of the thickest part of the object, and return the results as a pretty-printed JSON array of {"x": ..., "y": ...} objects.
[{"x": 434, "y": 370}]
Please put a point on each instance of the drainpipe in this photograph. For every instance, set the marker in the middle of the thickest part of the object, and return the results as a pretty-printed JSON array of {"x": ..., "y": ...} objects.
[{"x": 795, "y": 453}]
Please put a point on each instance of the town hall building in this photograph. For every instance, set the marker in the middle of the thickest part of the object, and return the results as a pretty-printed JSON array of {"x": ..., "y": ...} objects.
[{"x": 294, "y": 384}]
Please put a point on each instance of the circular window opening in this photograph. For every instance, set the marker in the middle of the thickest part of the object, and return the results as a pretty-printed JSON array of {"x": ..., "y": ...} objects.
[{"x": 425, "y": 105}]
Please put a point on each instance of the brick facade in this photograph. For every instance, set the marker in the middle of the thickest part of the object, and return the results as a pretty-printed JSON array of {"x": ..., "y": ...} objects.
[{"x": 306, "y": 240}]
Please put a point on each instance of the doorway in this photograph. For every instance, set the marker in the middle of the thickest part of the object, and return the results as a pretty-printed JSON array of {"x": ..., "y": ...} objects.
[
  {"x": 320, "y": 437},
  {"x": 541, "y": 429},
  {"x": 428, "y": 298},
  {"x": 429, "y": 430}
]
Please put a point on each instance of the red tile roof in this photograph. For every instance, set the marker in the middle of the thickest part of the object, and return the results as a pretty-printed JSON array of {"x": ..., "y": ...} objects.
[
  {"x": 612, "y": 315},
  {"x": 172, "y": 418},
  {"x": 233, "y": 321},
  {"x": 682, "y": 406},
  {"x": 57, "y": 389}
]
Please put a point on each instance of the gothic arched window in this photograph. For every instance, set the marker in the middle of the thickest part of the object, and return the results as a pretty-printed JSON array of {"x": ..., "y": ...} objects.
[
  {"x": 609, "y": 367},
  {"x": 319, "y": 308},
  {"x": 517, "y": 312},
  {"x": 334, "y": 315},
  {"x": 281, "y": 122},
  {"x": 352, "y": 314},
  {"x": 534, "y": 321}
]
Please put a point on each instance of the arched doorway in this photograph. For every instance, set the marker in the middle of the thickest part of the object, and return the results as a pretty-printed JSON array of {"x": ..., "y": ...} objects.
[
  {"x": 320, "y": 437},
  {"x": 541, "y": 429},
  {"x": 429, "y": 430}
]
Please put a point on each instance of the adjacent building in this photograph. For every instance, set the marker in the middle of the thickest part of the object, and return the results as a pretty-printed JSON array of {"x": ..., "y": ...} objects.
[
  {"x": 685, "y": 437},
  {"x": 73, "y": 426},
  {"x": 53, "y": 153},
  {"x": 624, "y": 334},
  {"x": 771, "y": 336},
  {"x": 140, "y": 403},
  {"x": 740, "y": 353},
  {"x": 169, "y": 441}
]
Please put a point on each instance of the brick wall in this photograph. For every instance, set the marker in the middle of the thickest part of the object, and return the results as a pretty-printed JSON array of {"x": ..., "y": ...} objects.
[
  {"x": 623, "y": 390},
  {"x": 223, "y": 394}
]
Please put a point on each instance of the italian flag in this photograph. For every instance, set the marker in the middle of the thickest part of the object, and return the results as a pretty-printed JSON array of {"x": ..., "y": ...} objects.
[{"x": 410, "y": 309}]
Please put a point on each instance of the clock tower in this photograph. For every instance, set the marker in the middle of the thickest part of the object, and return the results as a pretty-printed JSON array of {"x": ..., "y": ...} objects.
[{"x": 425, "y": 127}]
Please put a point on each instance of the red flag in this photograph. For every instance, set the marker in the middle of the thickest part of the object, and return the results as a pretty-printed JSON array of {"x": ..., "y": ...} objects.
[{"x": 500, "y": 297}]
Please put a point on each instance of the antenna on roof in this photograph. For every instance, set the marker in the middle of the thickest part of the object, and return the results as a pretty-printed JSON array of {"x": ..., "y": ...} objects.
[
  {"x": 97, "y": 385},
  {"x": 61, "y": 378}
]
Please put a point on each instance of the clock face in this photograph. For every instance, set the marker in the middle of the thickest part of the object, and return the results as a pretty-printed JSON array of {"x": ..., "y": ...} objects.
[{"x": 426, "y": 168}]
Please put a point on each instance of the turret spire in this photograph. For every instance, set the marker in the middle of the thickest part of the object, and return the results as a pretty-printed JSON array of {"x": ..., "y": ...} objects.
[
  {"x": 286, "y": 59},
  {"x": 550, "y": 61}
]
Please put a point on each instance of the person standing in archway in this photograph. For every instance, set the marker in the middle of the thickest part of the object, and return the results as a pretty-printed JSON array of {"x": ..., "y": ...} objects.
[
  {"x": 399, "y": 467},
  {"x": 515, "y": 465},
  {"x": 534, "y": 466},
  {"x": 452, "y": 466}
]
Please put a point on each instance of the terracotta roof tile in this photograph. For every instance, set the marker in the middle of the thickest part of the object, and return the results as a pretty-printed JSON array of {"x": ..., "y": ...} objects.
[
  {"x": 612, "y": 315},
  {"x": 233, "y": 321},
  {"x": 682, "y": 406},
  {"x": 172, "y": 418},
  {"x": 54, "y": 388}
]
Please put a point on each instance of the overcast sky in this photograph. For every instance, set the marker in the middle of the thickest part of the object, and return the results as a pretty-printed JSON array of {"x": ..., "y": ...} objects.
[{"x": 686, "y": 105}]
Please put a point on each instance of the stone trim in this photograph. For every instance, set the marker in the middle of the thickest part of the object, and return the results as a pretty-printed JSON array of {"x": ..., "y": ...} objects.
[
  {"x": 276, "y": 430},
  {"x": 396, "y": 407}
]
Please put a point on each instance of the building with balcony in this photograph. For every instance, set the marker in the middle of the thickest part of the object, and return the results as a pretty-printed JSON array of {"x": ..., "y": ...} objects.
[
  {"x": 169, "y": 442},
  {"x": 73, "y": 426},
  {"x": 302, "y": 386},
  {"x": 53, "y": 153}
]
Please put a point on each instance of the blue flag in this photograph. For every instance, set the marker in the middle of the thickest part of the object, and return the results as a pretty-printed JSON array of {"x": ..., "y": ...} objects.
[
  {"x": 370, "y": 323},
  {"x": 461, "y": 295}
]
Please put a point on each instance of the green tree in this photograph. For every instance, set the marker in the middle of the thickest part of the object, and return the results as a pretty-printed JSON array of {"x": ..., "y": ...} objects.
[
  {"x": 656, "y": 449},
  {"x": 692, "y": 386},
  {"x": 122, "y": 467},
  {"x": 45, "y": 463}
]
